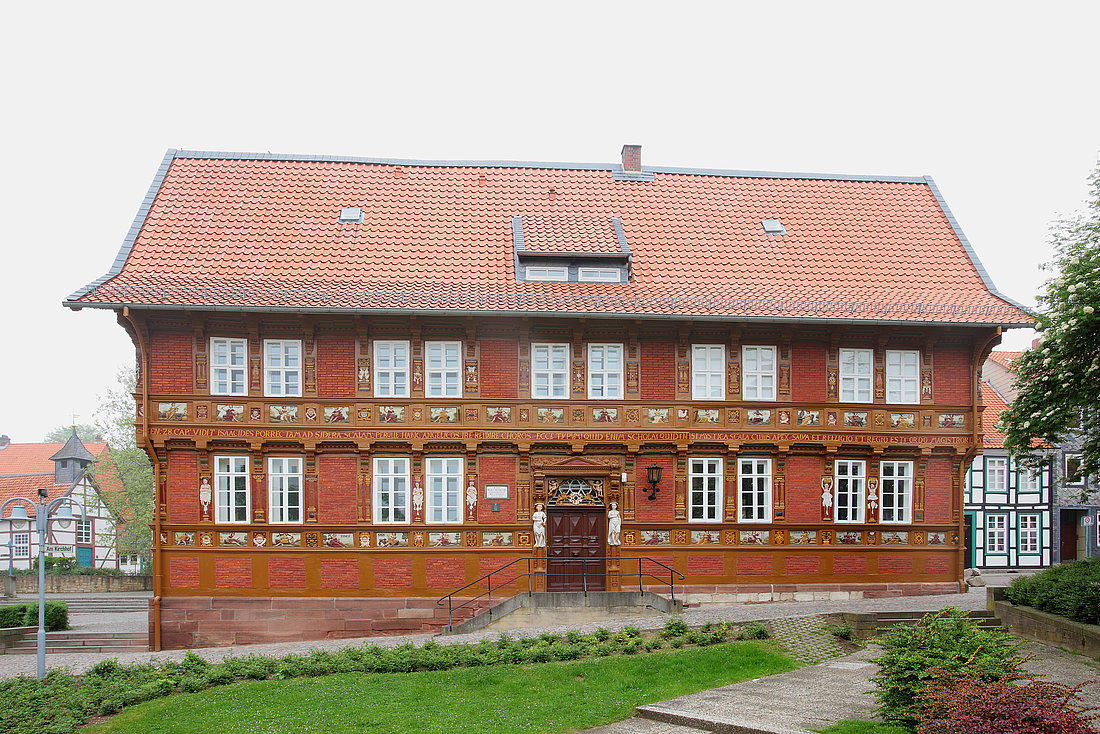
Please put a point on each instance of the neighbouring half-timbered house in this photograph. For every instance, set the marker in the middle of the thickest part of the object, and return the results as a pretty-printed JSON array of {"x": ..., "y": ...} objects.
[{"x": 368, "y": 383}]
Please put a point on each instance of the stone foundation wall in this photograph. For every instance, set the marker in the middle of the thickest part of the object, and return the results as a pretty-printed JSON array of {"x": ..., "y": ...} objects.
[
  {"x": 218, "y": 621},
  {"x": 83, "y": 584},
  {"x": 1049, "y": 628},
  {"x": 763, "y": 593}
]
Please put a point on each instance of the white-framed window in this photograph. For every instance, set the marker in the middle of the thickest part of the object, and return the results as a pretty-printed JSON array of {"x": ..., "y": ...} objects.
[
  {"x": 444, "y": 477},
  {"x": 443, "y": 365},
  {"x": 228, "y": 366},
  {"x": 391, "y": 369},
  {"x": 996, "y": 474},
  {"x": 547, "y": 273},
  {"x": 232, "y": 488},
  {"x": 758, "y": 373},
  {"x": 855, "y": 375},
  {"x": 705, "y": 495},
  {"x": 996, "y": 534},
  {"x": 708, "y": 372},
  {"x": 755, "y": 482},
  {"x": 1073, "y": 474},
  {"x": 896, "y": 485},
  {"x": 282, "y": 368},
  {"x": 851, "y": 481},
  {"x": 598, "y": 275},
  {"x": 549, "y": 370},
  {"x": 605, "y": 371},
  {"x": 902, "y": 376},
  {"x": 1027, "y": 529},
  {"x": 391, "y": 489},
  {"x": 284, "y": 482},
  {"x": 21, "y": 545},
  {"x": 84, "y": 531},
  {"x": 1028, "y": 480}
]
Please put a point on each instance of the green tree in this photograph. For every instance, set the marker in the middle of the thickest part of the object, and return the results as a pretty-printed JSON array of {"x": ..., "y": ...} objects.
[
  {"x": 1059, "y": 380},
  {"x": 85, "y": 432}
]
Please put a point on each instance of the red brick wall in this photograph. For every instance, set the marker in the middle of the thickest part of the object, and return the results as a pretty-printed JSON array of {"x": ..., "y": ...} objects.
[
  {"x": 937, "y": 564},
  {"x": 336, "y": 373},
  {"x": 183, "y": 487},
  {"x": 708, "y": 565},
  {"x": 499, "y": 368},
  {"x": 392, "y": 573},
  {"x": 170, "y": 365},
  {"x": 808, "y": 371},
  {"x": 657, "y": 371},
  {"x": 233, "y": 573},
  {"x": 754, "y": 565},
  {"x": 803, "y": 564},
  {"x": 336, "y": 478},
  {"x": 286, "y": 573},
  {"x": 662, "y": 509},
  {"x": 183, "y": 573},
  {"x": 848, "y": 564},
  {"x": 937, "y": 491},
  {"x": 895, "y": 564},
  {"x": 803, "y": 489},
  {"x": 488, "y": 564},
  {"x": 951, "y": 376},
  {"x": 339, "y": 573},
  {"x": 650, "y": 567},
  {"x": 496, "y": 470},
  {"x": 446, "y": 573}
]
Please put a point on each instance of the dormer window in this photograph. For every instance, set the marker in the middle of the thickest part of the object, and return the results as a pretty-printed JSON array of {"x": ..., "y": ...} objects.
[
  {"x": 570, "y": 248},
  {"x": 545, "y": 273},
  {"x": 598, "y": 275}
]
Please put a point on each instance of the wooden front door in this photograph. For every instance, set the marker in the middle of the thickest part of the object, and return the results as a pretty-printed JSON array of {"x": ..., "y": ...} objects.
[
  {"x": 1068, "y": 536},
  {"x": 575, "y": 549}
]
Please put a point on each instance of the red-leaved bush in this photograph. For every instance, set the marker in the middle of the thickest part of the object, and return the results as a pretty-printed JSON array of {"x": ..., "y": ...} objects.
[{"x": 957, "y": 705}]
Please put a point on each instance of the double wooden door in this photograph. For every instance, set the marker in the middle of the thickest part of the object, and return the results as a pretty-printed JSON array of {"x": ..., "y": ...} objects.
[{"x": 575, "y": 549}]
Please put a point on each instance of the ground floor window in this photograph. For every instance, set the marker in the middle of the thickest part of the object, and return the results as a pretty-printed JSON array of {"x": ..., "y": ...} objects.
[
  {"x": 1028, "y": 529},
  {"x": 391, "y": 490},
  {"x": 285, "y": 489},
  {"x": 21, "y": 545},
  {"x": 705, "y": 481},
  {"x": 84, "y": 531},
  {"x": 756, "y": 489},
  {"x": 231, "y": 479},
  {"x": 444, "y": 490},
  {"x": 996, "y": 534}
]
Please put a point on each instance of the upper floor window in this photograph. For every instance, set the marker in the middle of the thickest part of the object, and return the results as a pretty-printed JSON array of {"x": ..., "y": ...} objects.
[
  {"x": 598, "y": 275},
  {"x": 444, "y": 477},
  {"x": 758, "y": 366},
  {"x": 391, "y": 369},
  {"x": 996, "y": 474},
  {"x": 1074, "y": 474},
  {"x": 547, "y": 273},
  {"x": 855, "y": 375},
  {"x": 851, "y": 478},
  {"x": 605, "y": 371},
  {"x": 443, "y": 363},
  {"x": 284, "y": 489},
  {"x": 902, "y": 376},
  {"x": 282, "y": 368},
  {"x": 897, "y": 490},
  {"x": 549, "y": 370},
  {"x": 708, "y": 372},
  {"x": 228, "y": 366},
  {"x": 21, "y": 545},
  {"x": 391, "y": 490},
  {"x": 705, "y": 498},
  {"x": 84, "y": 531},
  {"x": 756, "y": 489},
  {"x": 1028, "y": 480},
  {"x": 232, "y": 488}
]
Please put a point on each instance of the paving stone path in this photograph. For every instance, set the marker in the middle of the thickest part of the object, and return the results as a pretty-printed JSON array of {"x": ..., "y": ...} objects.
[{"x": 807, "y": 639}]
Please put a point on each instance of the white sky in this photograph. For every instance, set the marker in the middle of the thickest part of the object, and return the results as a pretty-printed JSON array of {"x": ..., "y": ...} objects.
[{"x": 996, "y": 100}]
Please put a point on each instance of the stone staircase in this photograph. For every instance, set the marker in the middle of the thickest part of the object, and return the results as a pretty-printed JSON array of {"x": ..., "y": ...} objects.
[
  {"x": 57, "y": 642},
  {"x": 92, "y": 603},
  {"x": 867, "y": 625}
]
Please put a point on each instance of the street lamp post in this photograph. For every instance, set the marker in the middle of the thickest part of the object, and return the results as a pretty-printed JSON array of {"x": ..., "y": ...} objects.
[{"x": 42, "y": 515}]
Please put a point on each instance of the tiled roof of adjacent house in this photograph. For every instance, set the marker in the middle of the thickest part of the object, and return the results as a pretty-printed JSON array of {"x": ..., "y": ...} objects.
[
  {"x": 264, "y": 232},
  {"x": 34, "y": 458},
  {"x": 1004, "y": 358},
  {"x": 28, "y": 486},
  {"x": 992, "y": 436}
]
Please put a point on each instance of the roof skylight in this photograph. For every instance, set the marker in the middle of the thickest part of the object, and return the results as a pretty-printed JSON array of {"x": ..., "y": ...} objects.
[
  {"x": 351, "y": 215},
  {"x": 773, "y": 226}
]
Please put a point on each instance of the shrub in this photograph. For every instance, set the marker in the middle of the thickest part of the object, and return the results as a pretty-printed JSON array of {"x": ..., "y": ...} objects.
[
  {"x": 632, "y": 632},
  {"x": 1071, "y": 590},
  {"x": 947, "y": 642},
  {"x": 57, "y": 616},
  {"x": 12, "y": 615},
  {"x": 753, "y": 631},
  {"x": 675, "y": 627},
  {"x": 601, "y": 634},
  {"x": 842, "y": 631},
  {"x": 959, "y": 705}
]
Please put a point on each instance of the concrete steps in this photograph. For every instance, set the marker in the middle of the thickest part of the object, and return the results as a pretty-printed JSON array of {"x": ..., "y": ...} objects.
[
  {"x": 95, "y": 604},
  {"x": 83, "y": 642},
  {"x": 868, "y": 624}
]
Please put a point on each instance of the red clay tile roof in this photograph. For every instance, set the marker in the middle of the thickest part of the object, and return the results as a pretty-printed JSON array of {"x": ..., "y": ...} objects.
[
  {"x": 34, "y": 458},
  {"x": 992, "y": 438},
  {"x": 568, "y": 233},
  {"x": 1005, "y": 358},
  {"x": 263, "y": 231},
  {"x": 28, "y": 486}
]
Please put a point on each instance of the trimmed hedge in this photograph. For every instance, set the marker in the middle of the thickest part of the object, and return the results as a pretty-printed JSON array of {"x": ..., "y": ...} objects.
[
  {"x": 26, "y": 615},
  {"x": 1071, "y": 590}
]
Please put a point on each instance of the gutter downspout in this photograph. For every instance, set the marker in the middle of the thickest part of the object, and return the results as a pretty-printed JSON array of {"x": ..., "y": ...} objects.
[{"x": 158, "y": 573}]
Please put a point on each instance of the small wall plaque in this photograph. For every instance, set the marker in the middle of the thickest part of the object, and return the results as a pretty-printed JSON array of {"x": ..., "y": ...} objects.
[{"x": 496, "y": 491}]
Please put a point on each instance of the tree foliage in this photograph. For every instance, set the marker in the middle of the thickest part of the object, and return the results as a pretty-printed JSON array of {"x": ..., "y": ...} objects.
[
  {"x": 85, "y": 432},
  {"x": 1059, "y": 380}
]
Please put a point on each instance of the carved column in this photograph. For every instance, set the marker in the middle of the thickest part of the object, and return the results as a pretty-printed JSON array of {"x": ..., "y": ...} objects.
[
  {"x": 470, "y": 491},
  {"x": 259, "y": 484},
  {"x": 311, "y": 485},
  {"x": 918, "y": 486},
  {"x": 208, "y": 508},
  {"x": 418, "y": 487},
  {"x": 828, "y": 487},
  {"x": 681, "y": 482},
  {"x": 779, "y": 486},
  {"x": 873, "y": 486},
  {"x": 366, "y": 474},
  {"x": 629, "y": 467},
  {"x": 524, "y": 505}
]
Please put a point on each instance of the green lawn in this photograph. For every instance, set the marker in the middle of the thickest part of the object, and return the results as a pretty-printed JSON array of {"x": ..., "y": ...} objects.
[
  {"x": 550, "y": 697},
  {"x": 856, "y": 726}
]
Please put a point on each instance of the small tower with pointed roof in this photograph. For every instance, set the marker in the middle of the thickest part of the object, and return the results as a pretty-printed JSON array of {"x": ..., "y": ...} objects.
[{"x": 70, "y": 463}]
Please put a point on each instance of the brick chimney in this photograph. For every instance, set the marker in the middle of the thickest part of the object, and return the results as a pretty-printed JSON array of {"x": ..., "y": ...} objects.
[
  {"x": 4, "y": 441},
  {"x": 632, "y": 158}
]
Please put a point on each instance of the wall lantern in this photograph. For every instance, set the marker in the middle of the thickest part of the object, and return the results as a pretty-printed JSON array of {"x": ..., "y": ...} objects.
[{"x": 654, "y": 475}]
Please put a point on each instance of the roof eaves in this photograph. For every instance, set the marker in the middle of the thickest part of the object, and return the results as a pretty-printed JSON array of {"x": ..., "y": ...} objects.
[
  {"x": 982, "y": 273},
  {"x": 73, "y": 301}
]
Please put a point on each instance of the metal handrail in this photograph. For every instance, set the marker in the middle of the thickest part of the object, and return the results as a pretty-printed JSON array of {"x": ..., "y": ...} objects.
[{"x": 673, "y": 574}]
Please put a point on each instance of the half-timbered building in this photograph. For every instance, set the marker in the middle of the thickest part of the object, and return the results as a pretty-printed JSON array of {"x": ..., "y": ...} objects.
[{"x": 367, "y": 383}]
